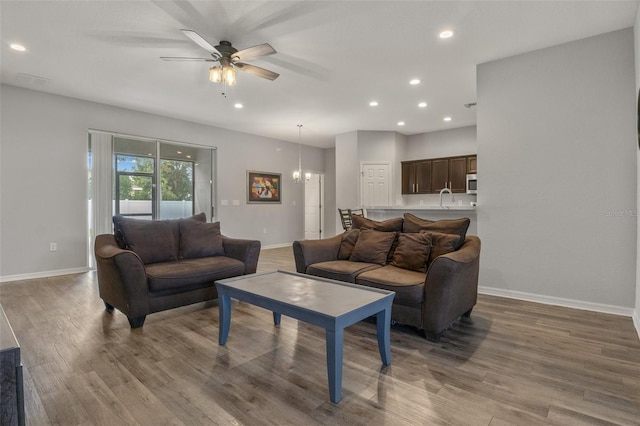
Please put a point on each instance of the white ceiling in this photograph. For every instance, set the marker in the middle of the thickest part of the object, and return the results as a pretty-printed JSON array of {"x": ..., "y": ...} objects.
[{"x": 334, "y": 57}]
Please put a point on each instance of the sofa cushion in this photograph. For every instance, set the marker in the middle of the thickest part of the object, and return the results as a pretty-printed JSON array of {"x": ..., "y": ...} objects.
[
  {"x": 454, "y": 226},
  {"x": 198, "y": 239},
  {"x": 442, "y": 244},
  {"x": 372, "y": 246},
  {"x": 412, "y": 251},
  {"x": 408, "y": 285},
  {"x": 152, "y": 240},
  {"x": 349, "y": 239},
  {"x": 191, "y": 273},
  {"x": 359, "y": 222},
  {"x": 341, "y": 270}
]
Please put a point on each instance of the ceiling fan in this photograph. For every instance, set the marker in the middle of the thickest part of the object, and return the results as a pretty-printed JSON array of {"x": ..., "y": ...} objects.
[{"x": 229, "y": 59}]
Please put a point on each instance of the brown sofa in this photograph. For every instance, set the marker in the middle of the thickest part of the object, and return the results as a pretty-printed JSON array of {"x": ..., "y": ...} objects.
[
  {"x": 152, "y": 266},
  {"x": 432, "y": 266}
]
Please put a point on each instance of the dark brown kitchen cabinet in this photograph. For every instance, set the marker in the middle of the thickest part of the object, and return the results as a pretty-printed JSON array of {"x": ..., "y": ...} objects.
[
  {"x": 408, "y": 177},
  {"x": 430, "y": 176},
  {"x": 439, "y": 174},
  {"x": 416, "y": 177},
  {"x": 472, "y": 164},
  {"x": 458, "y": 174}
]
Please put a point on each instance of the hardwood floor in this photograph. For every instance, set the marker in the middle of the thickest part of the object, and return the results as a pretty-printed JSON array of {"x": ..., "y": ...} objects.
[{"x": 512, "y": 362}]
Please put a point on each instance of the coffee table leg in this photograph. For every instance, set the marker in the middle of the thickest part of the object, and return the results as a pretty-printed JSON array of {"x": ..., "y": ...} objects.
[
  {"x": 334, "y": 363},
  {"x": 276, "y": 318},
  {"x": 383, "y": 325},
  {"x": 224, "y": 304}
]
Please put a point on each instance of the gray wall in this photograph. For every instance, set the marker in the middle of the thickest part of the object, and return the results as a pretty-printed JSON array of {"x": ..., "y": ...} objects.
[
  {"x": 347, "y": 176},
  {"x": 444, "y": 143},
  {"x": 43, "y": 170},
  {"x": 557, "y": 152},
  {"x": 330, "y": 208}
]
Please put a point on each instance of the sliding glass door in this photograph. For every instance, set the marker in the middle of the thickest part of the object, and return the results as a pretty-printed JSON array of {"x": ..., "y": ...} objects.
[
  {"x": 147, "y": 179},
  {"x": 161, "y": 180}
]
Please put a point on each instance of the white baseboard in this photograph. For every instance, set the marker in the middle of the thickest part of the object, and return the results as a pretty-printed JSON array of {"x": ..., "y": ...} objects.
[
  {"x": 44, "y": 274},
  {"x": 559, "y": 301}
]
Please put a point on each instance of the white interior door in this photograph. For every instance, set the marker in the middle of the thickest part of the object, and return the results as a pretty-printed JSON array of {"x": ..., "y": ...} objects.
[
  {"x": 313, "y": 197},
  {"x": 376, "y": 184}
]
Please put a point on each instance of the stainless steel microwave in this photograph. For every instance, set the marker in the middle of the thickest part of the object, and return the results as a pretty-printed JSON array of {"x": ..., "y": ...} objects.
[{"x": 472, "y": 184}]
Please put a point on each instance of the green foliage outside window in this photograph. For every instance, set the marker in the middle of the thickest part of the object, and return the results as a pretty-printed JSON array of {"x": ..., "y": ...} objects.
[{"x": 176, "y": 179}]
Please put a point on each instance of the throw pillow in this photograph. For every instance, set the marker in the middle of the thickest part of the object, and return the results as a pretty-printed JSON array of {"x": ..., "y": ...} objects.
[
  {"x": 149, "y": 239},
  {"x": 442, "y": 244},
  {"x": 390, "y": 225},
  {"x": 372, "y": 246},
  {"x": 454, "y": 226},
  {"x": 198, "y": 239},
  {"x": 412, "y": 251},
  {"x": 349, "y": 239}
]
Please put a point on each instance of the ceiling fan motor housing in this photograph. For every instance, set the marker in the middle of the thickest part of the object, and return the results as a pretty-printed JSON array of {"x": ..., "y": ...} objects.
[{"x": 226, "y": 49}]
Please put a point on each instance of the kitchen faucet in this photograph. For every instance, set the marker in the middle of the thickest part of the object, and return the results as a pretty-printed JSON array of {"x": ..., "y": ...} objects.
[{"x": 443, "y": 190}]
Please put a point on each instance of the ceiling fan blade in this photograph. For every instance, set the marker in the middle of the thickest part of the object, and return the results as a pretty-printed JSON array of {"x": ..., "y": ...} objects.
[
  {"x": 200, "y": 41},
  {"x": 260, "y": 72},
  {"x": 180, "y": 58},
  {"x": 253, "y": 52}
]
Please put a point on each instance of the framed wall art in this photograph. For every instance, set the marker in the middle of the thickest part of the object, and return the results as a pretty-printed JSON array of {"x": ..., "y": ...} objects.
[{"x": 264, "y": 187}]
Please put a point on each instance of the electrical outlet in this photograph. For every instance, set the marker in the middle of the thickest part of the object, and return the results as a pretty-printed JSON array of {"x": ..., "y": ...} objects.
[{"x": 53, "y": 246}]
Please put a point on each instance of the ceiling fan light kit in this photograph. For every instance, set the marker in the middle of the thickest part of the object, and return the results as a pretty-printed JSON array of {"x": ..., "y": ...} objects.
[
  {"x": 229, "y": 59},
  {"x": 221, "y": 74}
]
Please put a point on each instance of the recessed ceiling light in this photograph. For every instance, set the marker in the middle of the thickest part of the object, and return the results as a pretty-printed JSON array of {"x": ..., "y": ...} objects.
[
  {"x": 179, "y": 152},
  {"x": 447, "y": 119},
  {"x": 400, "y": 123},
  {"x": 238, "y": 106},
  {"x": 446, "y": 34},
  {"x": 373, "y": 103},
  {"x": 188, "y": 156},
  {"x": 414, "y": 82},
  {"x": 18, "y": 47},
  {"x": 422, "y": 105}
]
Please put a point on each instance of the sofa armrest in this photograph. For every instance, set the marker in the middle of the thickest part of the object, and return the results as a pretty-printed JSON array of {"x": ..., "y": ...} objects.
[
  {"x": 246, "y": 251},
  {"x": 308, "y": 252},
  {"x": 122, "y": 281},
  {"x": 451, "y": 286}
]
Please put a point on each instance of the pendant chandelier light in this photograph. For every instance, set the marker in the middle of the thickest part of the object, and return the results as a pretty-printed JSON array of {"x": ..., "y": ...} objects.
[{"x": 297, "y": 174}]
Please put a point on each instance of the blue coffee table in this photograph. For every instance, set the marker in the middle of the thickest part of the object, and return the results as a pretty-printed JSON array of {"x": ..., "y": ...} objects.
[{"x": 329, "y": 304}]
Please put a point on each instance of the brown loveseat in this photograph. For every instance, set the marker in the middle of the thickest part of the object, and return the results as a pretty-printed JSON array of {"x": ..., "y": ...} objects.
[
  {"x": 432, "y": 266},
  {"x": 152, "y": 266}
]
